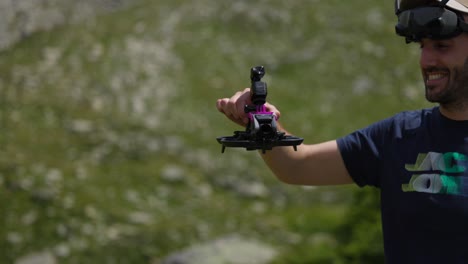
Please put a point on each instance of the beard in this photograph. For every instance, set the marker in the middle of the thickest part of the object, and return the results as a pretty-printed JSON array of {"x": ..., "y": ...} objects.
[{"x": 455, "y": 95}]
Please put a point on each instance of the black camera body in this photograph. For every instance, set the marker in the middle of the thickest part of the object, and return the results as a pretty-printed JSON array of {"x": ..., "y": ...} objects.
[{"x": 258, "y": 89}]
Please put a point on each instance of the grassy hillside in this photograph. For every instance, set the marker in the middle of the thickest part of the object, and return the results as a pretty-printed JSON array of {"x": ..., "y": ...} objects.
[{"x": 108, "y": 127}]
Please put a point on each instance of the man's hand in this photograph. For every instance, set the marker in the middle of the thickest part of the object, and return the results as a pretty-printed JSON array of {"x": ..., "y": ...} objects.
[{"x": 233, "y": 108}]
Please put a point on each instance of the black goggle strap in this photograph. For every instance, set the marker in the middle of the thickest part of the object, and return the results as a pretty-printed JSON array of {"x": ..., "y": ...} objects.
[
  {"x": 443, "y": 3},
  {"x": 398, "y": 10},
  {"x": 463, "y": 25}
]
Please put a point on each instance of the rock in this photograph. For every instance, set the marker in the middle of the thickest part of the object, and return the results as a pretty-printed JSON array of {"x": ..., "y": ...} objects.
[
  {"x": 173, "y": 173},
  {"x": 252, "y": 189},
  {"x": 44, "y": 257},
  {"x": 228, "y": 250}
]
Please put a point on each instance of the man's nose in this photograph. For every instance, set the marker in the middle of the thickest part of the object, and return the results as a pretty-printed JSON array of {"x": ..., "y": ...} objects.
[{"x": 428, "y": 57}]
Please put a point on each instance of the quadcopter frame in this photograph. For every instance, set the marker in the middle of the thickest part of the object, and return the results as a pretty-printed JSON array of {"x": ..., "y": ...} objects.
[{"x": 261, "y": 131}]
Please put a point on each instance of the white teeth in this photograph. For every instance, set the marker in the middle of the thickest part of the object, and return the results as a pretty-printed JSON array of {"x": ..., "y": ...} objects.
[{"x": 434, "y": 76}]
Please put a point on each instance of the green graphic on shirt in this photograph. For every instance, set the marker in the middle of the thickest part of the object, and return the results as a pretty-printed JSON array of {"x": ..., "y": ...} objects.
[
  {"x": 434, "y": 183},
  {"x": 432, "y": 177},
  {"x": 433, "y": 161}
]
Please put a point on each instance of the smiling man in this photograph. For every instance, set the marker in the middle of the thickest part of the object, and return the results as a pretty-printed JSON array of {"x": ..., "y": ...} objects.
[
  {"x": 444, "y": 65},
  {"x": 418, "y": 159}
]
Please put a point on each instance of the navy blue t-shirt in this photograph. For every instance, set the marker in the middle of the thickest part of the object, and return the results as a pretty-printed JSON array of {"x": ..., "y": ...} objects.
[{"x": 419, "y": 161}]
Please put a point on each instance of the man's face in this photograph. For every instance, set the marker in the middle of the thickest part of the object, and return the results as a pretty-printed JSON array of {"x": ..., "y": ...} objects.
[{"x": 444, "y": 66}]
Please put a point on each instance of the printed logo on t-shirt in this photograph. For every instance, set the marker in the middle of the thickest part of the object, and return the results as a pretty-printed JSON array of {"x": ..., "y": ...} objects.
[{"x": 438, "y": 173}]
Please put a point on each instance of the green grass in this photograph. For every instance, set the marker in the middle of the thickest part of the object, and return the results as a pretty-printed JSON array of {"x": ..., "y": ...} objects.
[{"x": 93, "y": 116}]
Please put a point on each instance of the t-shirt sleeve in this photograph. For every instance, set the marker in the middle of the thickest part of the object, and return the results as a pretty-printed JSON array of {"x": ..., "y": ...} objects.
[{"x": 362, "y": 152}]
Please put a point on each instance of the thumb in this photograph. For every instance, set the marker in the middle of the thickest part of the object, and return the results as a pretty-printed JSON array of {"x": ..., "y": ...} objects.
[{"x": 273, "y": 109}]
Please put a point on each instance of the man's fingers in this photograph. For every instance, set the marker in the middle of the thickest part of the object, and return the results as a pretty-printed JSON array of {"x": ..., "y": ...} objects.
[
  {"x": 230, "y": 109},
  {"x": 221, "y": 103},
  {"x": 233, "y": 107}
]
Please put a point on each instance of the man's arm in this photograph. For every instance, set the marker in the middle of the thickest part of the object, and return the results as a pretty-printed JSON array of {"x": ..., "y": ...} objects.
[{"x": 318, "y": 164}]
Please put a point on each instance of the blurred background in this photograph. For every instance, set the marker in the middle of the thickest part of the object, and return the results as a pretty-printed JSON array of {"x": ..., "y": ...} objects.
[{"x": 108, "y": 128}]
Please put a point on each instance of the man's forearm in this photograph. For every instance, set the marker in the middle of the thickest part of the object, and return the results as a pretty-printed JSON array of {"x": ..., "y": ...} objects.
[{"x": 319, "y": 164}]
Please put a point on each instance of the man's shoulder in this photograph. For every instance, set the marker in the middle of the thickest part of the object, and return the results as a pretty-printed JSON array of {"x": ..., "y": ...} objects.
[
  {"x": 403, "y": 122},
  {"x": 413, "y": 119}
]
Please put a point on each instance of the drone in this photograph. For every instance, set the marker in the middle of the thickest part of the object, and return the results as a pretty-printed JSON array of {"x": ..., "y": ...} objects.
[{"x": 261, "y": 131}]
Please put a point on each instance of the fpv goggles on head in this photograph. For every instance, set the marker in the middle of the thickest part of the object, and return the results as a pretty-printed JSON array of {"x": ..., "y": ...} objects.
[{"x": 416, "y": 22}]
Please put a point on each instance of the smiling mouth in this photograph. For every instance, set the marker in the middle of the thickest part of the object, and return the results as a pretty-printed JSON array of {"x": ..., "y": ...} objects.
[{"x": 435, "y": 76}]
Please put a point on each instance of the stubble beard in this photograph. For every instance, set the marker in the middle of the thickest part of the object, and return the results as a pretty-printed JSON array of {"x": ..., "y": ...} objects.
[{"x": 454, "y": 96}]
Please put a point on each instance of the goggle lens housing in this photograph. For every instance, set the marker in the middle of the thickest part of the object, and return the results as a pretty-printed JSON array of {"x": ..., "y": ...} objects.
[{"x": 428, "y": 22}]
